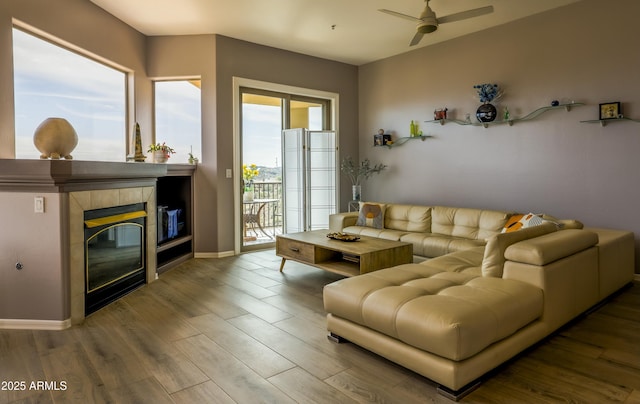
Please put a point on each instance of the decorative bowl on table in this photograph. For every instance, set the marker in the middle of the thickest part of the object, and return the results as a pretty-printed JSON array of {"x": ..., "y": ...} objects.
[{"x": 343, "y": 236}]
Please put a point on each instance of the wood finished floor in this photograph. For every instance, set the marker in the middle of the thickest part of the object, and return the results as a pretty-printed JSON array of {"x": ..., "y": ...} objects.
[{"x": 236, "y": 330}]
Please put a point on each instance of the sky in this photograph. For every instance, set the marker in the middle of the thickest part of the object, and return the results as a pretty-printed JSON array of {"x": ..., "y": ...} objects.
[
  {"x": 261, "y": 133},
  {"x": 261, "y": 128}
]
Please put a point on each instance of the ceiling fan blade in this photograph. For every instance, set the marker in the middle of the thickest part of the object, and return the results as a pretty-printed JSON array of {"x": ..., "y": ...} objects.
[
  {"x": 397, "y": 14},
  {"x": 416, "y": 38},
  {"x": 476, "y": 12}
]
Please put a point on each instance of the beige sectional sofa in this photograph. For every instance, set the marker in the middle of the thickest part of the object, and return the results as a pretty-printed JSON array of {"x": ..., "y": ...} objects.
[{"x": 483, "y": 296}]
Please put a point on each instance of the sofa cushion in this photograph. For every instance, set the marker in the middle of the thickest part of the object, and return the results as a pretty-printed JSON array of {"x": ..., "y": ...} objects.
[
  {"x": 461, "y": 321},
  {"x": 371, "y": 215},
  {"x": 408, "y": 218},
  {"x": 467, "y": 223},
  {"x": 451, "y": 314},
  {"x": 435, "y": 245},
  {"x": 386, "y": 234},
  {"x": 468, "y": 261},
  {"x": 493, "y": 260}
]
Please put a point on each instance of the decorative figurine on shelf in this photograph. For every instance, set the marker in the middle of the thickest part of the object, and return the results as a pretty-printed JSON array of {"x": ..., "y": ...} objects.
[
  {"x": 487, "y": 92},
  {"x": 440, "y": 113},
  {"x": 555, "y": 103},
  {"x": 55, "y": 138},
  {"x": 138, "y": 156},
  {"x": 413, "y": 130},
  {"x": 506, "y": 114},
  {"x": 382, "y": 139}
]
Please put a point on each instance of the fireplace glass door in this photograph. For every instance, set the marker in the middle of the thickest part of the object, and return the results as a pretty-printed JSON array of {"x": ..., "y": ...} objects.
[{"x": 114, "y": 254}]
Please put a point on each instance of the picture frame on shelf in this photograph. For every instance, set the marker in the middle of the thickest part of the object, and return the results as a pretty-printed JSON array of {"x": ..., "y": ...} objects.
[
  {"x": 610, "y": 110},
  {"x": 381, "y": 139}
]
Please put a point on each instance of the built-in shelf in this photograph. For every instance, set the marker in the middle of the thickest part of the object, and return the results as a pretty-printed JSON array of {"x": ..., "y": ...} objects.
[
  {"x": 402, "y": 140},
  {"x": 510, "y": 122},
  {"x": 173, "y": 243},
  {"x": 175, "y": 191},
  {"x": 604, "y": 122}
]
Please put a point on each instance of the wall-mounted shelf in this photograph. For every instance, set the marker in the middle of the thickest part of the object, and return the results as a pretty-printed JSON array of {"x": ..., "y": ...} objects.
[
  {"x": 403, "y": 140},
  {"x": 510, "y": 122},
  {"x": 604, "y": 122}
]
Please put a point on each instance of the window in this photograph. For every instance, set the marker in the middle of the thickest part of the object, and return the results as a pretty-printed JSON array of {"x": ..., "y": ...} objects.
[
  {"x": 178, "y": 119},
  {"x": 51, "y": 81}
]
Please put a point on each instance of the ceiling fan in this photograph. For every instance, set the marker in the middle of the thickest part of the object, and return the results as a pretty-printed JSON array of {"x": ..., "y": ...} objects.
[{"x": 428, "y": 22}]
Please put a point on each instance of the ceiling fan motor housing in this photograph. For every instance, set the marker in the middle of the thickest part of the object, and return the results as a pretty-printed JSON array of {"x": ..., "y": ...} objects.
[
  {"x": 428, "y": 22},
  {"x": 426, "y": 27}
]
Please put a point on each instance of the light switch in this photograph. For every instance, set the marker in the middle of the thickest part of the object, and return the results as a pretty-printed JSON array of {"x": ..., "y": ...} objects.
[
  {"x": 38, "y": 204},
  {"x": 229, "y": 173}
]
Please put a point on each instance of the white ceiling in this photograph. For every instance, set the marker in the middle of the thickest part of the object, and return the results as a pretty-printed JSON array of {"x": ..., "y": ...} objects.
[{"x": 350, "y": 31}]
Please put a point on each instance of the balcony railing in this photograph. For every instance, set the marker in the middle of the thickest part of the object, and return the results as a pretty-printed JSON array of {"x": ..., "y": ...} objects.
[{"x": 263, "y": 220}]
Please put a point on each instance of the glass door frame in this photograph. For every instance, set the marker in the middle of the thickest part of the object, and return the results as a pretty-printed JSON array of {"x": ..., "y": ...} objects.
[{"x": 296, "y": 93}]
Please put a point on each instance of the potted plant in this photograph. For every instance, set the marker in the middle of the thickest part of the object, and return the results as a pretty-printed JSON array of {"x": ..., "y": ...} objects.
[
  {"x": 161, "y": 152},
  {"x": 249, "y": 172},
  {"x": 359, "y": 172}
]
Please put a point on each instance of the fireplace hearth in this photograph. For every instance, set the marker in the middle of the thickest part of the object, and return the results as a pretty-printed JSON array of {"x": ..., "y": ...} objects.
[{"x": 115, "y": 251}]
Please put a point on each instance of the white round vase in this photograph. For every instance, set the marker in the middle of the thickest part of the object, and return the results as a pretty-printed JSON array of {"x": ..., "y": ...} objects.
[{"x": 55, "y": 138}]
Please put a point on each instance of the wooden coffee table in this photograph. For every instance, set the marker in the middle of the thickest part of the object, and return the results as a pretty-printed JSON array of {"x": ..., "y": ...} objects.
[{"x": 342, "y": 257}]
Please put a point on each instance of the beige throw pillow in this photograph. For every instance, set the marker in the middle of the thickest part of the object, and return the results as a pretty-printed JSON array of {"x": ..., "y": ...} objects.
[{"x": 493, "y": 261}]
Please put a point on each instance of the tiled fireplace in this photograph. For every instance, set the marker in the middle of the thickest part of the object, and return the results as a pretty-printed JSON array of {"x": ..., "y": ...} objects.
[
  {"x": 83, "y": 201},
  {"x": 42, "y": 254}
]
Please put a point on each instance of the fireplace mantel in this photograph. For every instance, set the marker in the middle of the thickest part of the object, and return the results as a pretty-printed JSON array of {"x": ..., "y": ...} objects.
[{"x": 75, "y": 175}]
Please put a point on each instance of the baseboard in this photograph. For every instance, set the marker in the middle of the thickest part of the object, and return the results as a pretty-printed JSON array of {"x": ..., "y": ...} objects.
[
  {"x": 214, "y": 254},
  {"x": 17, "y": 324}
]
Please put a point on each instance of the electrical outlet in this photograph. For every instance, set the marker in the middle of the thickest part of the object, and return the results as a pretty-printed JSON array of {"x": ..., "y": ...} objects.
[
  {"x": 38, "y": 204},
  {"x": 229, "y": 173}
]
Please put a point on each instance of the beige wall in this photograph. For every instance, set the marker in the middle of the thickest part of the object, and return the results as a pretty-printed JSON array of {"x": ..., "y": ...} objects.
[
  {"x": 40, "y": 289},
  {"x": 585, "y": 52}
]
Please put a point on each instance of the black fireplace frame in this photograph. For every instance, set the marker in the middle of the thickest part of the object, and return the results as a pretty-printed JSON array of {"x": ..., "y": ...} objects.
[{"x": 97, "y": 221}]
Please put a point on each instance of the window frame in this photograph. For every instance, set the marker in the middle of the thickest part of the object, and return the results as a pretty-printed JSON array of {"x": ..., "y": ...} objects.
[{"x": 129, "y": 80}]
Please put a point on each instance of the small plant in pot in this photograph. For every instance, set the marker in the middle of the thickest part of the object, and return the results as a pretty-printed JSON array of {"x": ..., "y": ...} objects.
[{"x": 161, "y": 152}]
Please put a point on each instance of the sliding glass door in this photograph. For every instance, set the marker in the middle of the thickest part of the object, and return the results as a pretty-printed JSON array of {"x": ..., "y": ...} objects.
[{"x": 263, "y": 117}]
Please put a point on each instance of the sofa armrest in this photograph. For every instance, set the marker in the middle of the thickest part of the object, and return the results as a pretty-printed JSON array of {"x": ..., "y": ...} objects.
[
  {"x": 564, "y": 264},
  {"x": 550, "y": 247},
  {"x": 338, "y": 221},
  {"x": 570, "y": 284}
]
